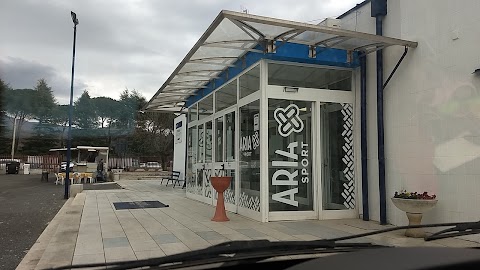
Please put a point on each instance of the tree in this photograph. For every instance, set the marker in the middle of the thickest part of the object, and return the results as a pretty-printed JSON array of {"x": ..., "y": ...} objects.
[
  {"x": 60, "y": 119},
  {"x": 154, "y": 135},
  {"x": 43, "y": 108},
  {"x": 44, "y": 102},
  {"x": 130, "y": 103},
  {"x": 19, "y": 106},
  {"x": 84, "y": 112},
  {"x": 5, "y": 141},
  {"x": 106, "y": 109}
]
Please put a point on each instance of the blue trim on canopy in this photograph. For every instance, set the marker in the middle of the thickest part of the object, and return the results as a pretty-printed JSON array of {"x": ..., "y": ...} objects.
[{"x": 289, "y": 52}]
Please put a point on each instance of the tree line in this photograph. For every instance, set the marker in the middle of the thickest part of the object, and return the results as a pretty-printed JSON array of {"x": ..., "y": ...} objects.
[{"x": 96, "y": 121}]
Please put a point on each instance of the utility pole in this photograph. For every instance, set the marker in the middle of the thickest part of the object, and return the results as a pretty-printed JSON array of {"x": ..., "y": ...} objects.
[{"x": 14, "y": 135}]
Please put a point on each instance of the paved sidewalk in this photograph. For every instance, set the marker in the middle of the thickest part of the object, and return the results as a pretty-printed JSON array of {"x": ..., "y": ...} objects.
[{"x": 105, "y": 235}]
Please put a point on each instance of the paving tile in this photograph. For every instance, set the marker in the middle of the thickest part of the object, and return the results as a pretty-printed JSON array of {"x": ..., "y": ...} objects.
[
  {"x": 119, "y": 254},
  {"x": 237, "y": 236},
  {"x": 137, "y": 234},
  {"x": 211, "y": 236},
  {"x": 306, "y": 237},
  {"x": 142, "y": 244},
  {"x": 165, "y": 239},
  {"x": 88, "y": 246},
  {"x": 113, "y": 234},
  {"x": 288, "y": 230},
  {"x": 218, "y": 241},
  {"x": 87, "y": 259},
  {"x": 174, "y": 248},
  {"x": 251, "y": 233},
  {"x": 149, "y": 254},
  {"x": 115, "y": 242}
]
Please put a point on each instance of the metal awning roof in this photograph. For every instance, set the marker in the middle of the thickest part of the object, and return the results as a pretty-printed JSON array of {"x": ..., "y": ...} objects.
[{"x": 233, "y": 34}]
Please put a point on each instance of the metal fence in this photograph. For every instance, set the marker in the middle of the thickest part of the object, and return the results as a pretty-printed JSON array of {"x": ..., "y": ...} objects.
[
  {"x": 134, "y": 162},
  {"x": 52, "y": 163},
  {"x": 45, "y": 163}
]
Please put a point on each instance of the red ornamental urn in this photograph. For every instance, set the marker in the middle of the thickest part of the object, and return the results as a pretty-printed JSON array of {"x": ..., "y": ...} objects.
[{"x": 220, "y": 184}]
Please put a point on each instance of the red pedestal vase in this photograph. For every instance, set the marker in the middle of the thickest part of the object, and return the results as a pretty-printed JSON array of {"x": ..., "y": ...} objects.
[{"x": 220, "y": 184}]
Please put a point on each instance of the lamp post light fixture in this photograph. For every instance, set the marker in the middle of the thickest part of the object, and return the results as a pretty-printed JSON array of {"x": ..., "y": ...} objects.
[{"x": 70, "y": 111}]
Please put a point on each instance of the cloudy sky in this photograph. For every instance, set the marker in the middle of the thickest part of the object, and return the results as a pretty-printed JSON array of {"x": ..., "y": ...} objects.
[{"x": 133, "y": 44}]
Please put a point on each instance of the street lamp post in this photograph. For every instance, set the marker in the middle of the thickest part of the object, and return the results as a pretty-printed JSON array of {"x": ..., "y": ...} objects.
[{"x": 70, "y": 111}]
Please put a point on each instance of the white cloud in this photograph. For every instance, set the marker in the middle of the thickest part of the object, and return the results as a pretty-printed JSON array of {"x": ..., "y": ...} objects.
[{"x": 120, "y": 43}]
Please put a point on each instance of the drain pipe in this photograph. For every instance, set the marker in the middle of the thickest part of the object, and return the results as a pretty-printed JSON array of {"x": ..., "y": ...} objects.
[
  {"x": 379, "y": 10},
  {"x": 363, "y": 135}
]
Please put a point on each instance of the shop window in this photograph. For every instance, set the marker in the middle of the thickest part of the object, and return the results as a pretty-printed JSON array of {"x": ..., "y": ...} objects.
[
  {"x": 250, "y": 156},
  {"x": 208, "y": 141},
  {"x": 192, "y": 113},
  {"x": 309, "y": 77},
  {"x": 205, "y": 107},
  {"x": 226, "y": 96},
  {"x": 219, "y": 139},
  {"x": 200, "y": 145},
  {"x": 250, "y": 82},
  {"x": 230, "y": 137}
]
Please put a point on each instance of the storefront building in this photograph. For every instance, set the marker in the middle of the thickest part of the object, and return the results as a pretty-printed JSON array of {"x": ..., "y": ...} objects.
[{"x": 293, "y": 113}]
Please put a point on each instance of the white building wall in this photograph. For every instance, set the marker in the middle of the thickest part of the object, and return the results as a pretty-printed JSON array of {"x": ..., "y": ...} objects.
[
  {"x": 180, "y": 144},
  {"x": 432, "y": 107}
]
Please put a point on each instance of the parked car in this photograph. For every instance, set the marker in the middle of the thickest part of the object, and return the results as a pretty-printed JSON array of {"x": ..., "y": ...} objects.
[{"x": 153, "y": 165}]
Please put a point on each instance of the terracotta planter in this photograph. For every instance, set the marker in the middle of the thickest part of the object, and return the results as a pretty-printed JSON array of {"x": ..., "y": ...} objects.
[
  {"x": 414, "y": 210},
  {"x": 220, "y": 184}
]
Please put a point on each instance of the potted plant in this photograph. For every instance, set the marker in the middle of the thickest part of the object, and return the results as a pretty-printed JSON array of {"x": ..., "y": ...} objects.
[{"x": 414, "y": 205}]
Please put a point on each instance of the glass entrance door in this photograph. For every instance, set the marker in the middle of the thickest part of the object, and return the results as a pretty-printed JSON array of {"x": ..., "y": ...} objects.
[
  {"x": 310, "y": 154},
  {"x": 338, "y": 187},
  {"x": 291, "y": 179}
]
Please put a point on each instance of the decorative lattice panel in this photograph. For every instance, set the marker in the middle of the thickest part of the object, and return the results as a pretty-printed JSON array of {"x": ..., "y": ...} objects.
[
  {"x": 249, "y": 202},
  {"x": 348, "y": 192}
]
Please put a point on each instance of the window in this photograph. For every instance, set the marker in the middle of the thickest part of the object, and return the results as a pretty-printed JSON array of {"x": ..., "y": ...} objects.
[
  {"x": 205, "y": 107},
  {"x": 250, "y": 82},
  {"x": 226, "y": 96},
  {"x": 309, "y": 77},
  {"x": 250, "y": 154}
]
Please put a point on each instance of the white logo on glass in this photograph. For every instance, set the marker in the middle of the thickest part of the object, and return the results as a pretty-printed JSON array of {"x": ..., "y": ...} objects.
[{"x": 288, "y": 120}]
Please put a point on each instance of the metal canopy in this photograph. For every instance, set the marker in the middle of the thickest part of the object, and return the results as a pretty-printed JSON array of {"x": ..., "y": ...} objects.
[{"x": 233, "y": 34}]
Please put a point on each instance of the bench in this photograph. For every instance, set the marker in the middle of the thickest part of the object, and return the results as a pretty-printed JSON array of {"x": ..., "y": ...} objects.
[{"x": 175, "y": 178}]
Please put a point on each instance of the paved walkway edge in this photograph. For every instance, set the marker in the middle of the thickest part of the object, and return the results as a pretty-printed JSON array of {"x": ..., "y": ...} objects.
[{"x": 42, "y": 253}]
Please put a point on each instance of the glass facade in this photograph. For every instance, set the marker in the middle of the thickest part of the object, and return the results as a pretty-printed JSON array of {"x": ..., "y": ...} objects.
[{"x": 309, "y": 151}]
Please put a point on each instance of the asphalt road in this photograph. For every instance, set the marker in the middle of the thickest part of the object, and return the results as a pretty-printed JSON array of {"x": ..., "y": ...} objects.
[{"x": 26, "y": 207}]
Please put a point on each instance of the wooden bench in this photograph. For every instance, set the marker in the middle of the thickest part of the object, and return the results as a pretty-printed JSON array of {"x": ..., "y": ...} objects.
[{"x": 175, "y": 178}]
